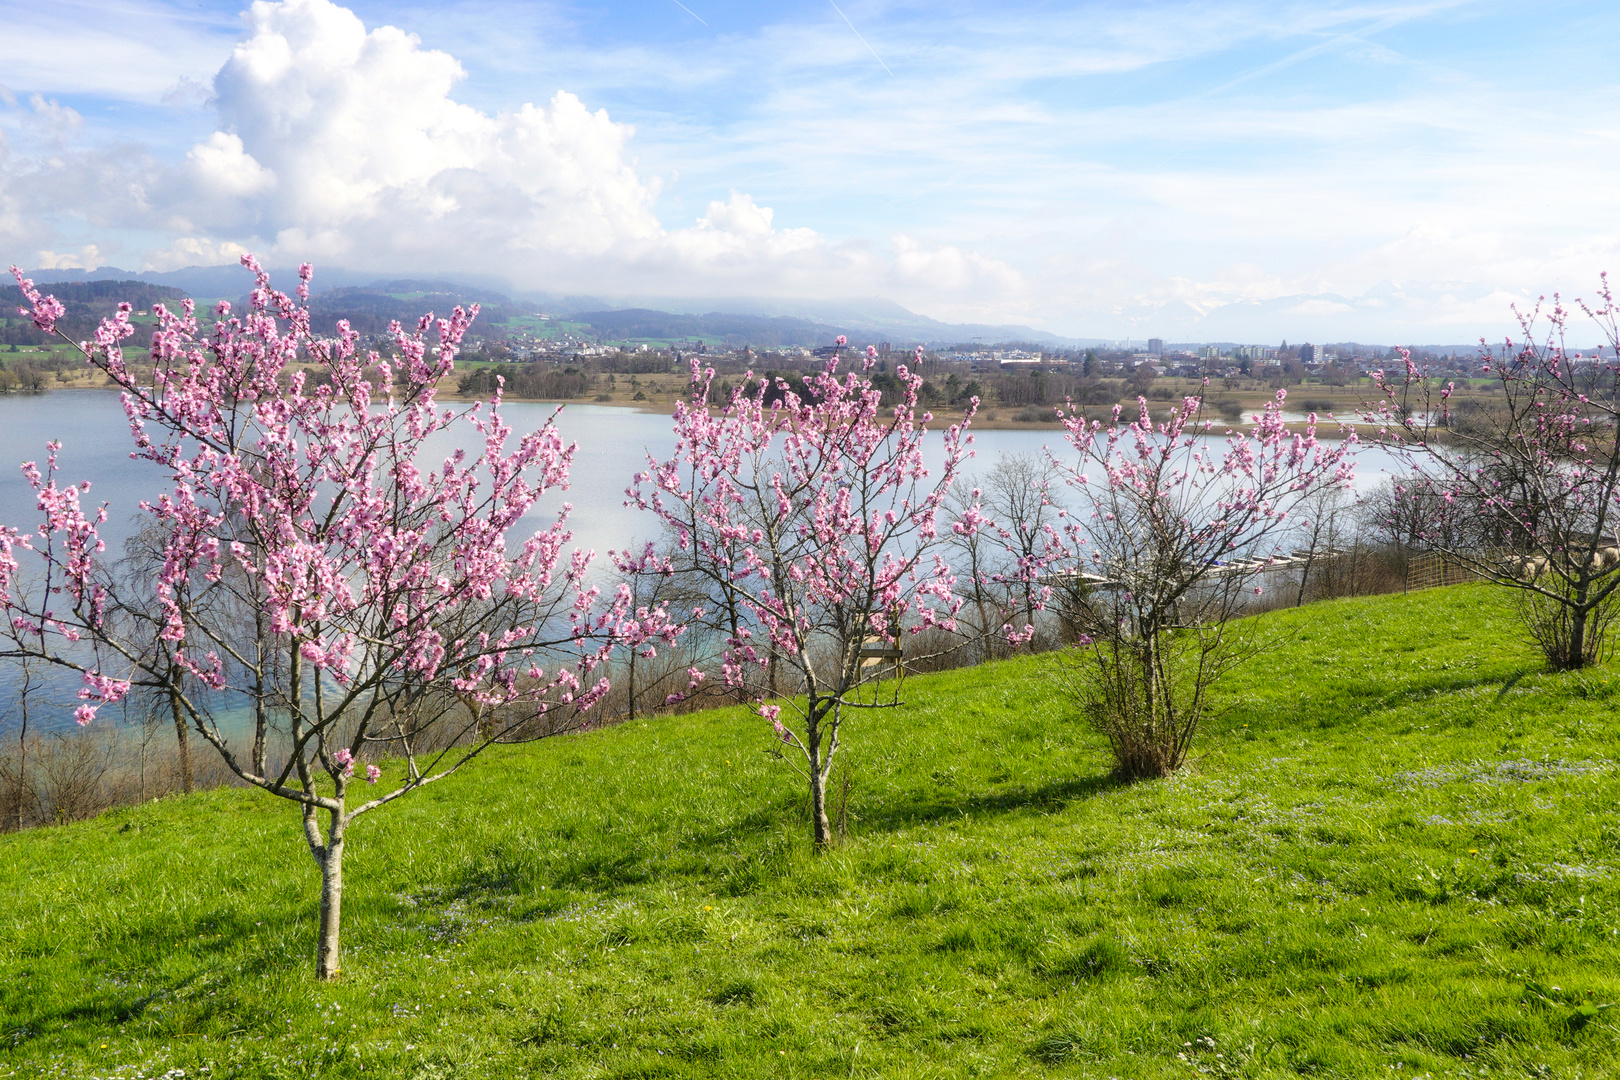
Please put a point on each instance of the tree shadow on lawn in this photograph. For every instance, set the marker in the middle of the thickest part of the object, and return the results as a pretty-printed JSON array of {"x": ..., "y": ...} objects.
[
  {"x": 725, "y": 846},
  {"x": 1354, "y": 702},
  {"x": 749, "y": 846},
  {"x": 104, "y": 1011},
  {"x": 243, "y": 942},
  {"x": 929, "y": 807}
]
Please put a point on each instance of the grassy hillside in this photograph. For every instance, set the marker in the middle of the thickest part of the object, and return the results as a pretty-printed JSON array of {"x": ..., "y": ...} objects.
[{"x": 1397, "y": 857}]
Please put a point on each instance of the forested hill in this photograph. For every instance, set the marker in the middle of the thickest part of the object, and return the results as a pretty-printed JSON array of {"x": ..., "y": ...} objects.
[
  {"x": 87, "y": 303},
  {"x": 369, "y": 309},
  {"x": 765, "y": 331},
  {"x": 369, "y": 304}
]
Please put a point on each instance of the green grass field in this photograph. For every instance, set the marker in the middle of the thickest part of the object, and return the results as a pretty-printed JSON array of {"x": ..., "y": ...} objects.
[{"x": 1396, "y": 856}]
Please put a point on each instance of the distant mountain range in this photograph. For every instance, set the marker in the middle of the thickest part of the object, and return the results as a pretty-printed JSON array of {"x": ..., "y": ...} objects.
[
  {"x": 369, "y": 303},
  {"x": 869, "y": 319}
]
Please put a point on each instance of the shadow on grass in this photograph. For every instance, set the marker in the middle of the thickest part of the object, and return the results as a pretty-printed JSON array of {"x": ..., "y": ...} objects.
[
  {"x": 1355, "y": 702},
  {"x": 1508, "y": 686},
  {"x": 103, "y": 1010},
  {"x": 737, "y": 855},
  {"x": 925, "y": 808}
]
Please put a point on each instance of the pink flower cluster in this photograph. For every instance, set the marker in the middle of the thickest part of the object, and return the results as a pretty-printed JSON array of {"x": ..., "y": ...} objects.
[
  {"x": 1172, "y": 500},
  {"x": 815, "y": 509}
]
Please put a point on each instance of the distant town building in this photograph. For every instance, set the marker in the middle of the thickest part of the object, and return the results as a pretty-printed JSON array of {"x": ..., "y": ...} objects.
[
  {"x": 1310, "y": 354},
  {"x": 1156, "y": 345}
]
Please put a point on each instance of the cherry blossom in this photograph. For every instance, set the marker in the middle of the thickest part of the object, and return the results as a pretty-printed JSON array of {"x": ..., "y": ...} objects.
[
  {"x": 816, "y": 516},
  {"x": 312, "y": 562}
]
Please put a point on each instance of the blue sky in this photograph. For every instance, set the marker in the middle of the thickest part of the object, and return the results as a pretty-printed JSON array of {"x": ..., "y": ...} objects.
[{"x": 1379, "y": 172}]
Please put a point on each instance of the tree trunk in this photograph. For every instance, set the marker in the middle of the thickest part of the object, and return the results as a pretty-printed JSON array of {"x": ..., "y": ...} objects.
[
  {"x": 260, "y": 720},
  {"x": 821, "y": 828},
  {"x": 328, "y": 954},
  {"x": 632, "y": 680},
  {"x": 818, "y": 810},
  {"x": 22, "y": 758},
  {"x": 734, "y": 621},
  {"x": 181, "y": 736},
  {"x": 1575, "y": 656}
]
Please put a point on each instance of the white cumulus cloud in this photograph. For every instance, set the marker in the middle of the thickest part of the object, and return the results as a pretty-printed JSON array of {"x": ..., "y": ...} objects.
[
  {"x": 345, "y": 145},
  {"x": 341, "y": 142},
  {"x": 87, "y": 258}
]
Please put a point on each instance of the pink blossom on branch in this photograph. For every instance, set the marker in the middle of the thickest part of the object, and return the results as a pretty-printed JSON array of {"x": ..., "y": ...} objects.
[{"x": 1519, "y": 486}]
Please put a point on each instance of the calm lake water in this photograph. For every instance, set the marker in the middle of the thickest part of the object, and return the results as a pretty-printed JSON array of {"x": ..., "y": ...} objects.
[{"x": 613, "y": 446}]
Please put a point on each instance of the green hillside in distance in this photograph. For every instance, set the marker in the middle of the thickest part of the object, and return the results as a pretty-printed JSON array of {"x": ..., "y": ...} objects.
[
  {"x": 85, "y": 304},
  {"x": 1397, "y": 855},
  {"x": 758, "y": 330}
]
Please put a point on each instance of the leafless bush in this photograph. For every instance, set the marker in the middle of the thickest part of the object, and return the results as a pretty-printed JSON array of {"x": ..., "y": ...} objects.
[
  {"x": 1148, "y": 697},
  {"x": 78, "y": 773},
  {"x": 71, "y": 776}
]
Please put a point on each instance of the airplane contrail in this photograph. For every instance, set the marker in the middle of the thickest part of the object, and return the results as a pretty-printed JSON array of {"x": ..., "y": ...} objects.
[
  {"x": 1309, "y": 51},
  {"x": 689, "y": 11},
  {"x": 857, "y": 34}
]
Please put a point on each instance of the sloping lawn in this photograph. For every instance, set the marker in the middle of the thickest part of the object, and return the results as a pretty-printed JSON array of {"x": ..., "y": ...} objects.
[{"x": 1397, "y": 856}]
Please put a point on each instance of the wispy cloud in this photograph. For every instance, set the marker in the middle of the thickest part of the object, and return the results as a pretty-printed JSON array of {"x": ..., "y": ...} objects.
[
  {"x": 129, "y": 50},
  {"x": 1097, "y": 166}
]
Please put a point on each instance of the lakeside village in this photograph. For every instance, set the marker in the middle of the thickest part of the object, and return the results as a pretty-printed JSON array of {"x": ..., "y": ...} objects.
[
  {"x": 639, "y": 357},
  {"x": 1329, "y": 362},
  {"x": 1019, "y": 384}
]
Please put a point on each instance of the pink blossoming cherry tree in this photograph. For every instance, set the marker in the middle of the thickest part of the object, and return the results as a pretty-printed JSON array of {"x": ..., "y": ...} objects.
[
  {"x": 1521, "y": 485},
  {"x": 818, "y": 516},
  {"x": 368, "y": 609}
]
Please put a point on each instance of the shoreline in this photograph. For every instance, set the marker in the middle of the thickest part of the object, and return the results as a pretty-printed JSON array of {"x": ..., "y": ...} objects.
[{"x": 1326, "y": 429}]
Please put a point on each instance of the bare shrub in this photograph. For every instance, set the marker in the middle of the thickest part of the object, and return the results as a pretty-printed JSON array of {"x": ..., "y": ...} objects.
[{"x": 1147, "y": 697}]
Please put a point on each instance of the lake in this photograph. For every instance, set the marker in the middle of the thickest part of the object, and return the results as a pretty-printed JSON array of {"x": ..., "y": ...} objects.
[{"x": 613, "y": 446}]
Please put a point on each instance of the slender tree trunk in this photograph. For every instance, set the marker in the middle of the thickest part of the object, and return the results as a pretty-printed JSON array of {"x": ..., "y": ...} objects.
[
  {"x": 329, "y": 856},
  {"x": 632, "y": 682},
  {"x": 22, "y": 748},
  {"x": 180, "y": 735},
  {"x": 821, "y": 828},
  {"x": 734, "y": 620},
  {"x": 260, "y": 720},
  {"x": 818, "y": 811}
]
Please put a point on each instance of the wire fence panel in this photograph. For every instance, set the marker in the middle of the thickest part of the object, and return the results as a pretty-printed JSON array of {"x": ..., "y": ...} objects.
[{"x": 1433, "y": 569}]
